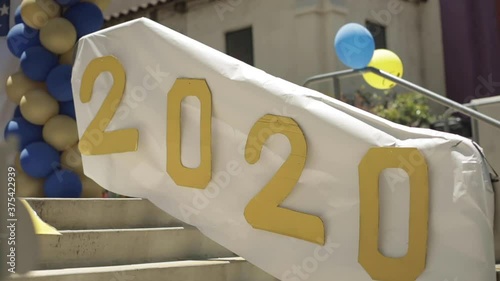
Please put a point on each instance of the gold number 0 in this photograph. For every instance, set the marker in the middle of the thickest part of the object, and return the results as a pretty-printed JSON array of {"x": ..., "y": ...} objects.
[
  {"x": 263, "y": 211},
  {"x": 95, "y": 141},
  {"x": 379, "y": 267},
  {"x": 190, "y": 177}
]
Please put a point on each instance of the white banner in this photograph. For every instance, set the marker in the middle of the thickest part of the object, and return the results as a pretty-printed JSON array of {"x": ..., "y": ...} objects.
[{"x": 279, "y": 174}]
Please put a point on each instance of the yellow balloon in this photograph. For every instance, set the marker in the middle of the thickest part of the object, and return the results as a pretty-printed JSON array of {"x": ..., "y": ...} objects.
[
  {"x": 38, "y": 106},
  {"x": 51, "y": 7},
  {"x": 68, "y": 57},
  {"x": 102, "y": 4},
  {"x": 71, "y": 159},
  {"x": 18, "y": 84},
  {"x": 36, "y": 13},
  {"x": 61, "y": 132},
  {"x": 33, "y": 15},
  {"x": 90, "y": 189},
  {"x": 387, "y": 61},
  {"x": 27, "y": 186},
  {"x": 58, "y": 35}
]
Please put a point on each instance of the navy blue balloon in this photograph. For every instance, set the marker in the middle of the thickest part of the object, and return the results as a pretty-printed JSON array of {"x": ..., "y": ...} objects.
[
  {"x": 39, "y": 159},
  {"x": 67, "y": 2},
  {"x": 63, "y": 184},
  {"x": 59, "y": 83},
  {"x": 25, "y": 132},
  {"x": 86, "y": 17},
  {"x": 37, "y": 62},
  {"x": 17, "y": 112},
  {"x": 354, "y": 45},
  {"x": 68, "y": 109},
  {"x": 22, "y": 37},
  {"x": 18, "y": 18}
]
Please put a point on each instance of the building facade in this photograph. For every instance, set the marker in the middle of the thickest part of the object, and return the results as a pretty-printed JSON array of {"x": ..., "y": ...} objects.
[
  {"x": 293, "y": 40},
  {"x": 448, "y": 46}
]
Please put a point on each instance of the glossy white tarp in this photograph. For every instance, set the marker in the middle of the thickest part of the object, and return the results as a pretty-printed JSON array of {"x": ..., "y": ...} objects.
[{"x": 338, "y": 136}]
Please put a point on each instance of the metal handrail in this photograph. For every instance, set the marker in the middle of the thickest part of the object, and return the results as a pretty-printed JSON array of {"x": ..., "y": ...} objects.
[{"x": 427, "y": 93}]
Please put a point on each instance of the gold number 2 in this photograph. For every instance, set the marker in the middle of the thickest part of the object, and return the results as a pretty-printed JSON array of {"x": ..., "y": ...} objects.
[
  {"x": 378, "y": 266},
  {"x": 190, "y": 177},
  {"x": 95, "y": 141},
  {"x": 263, "y": 211}
]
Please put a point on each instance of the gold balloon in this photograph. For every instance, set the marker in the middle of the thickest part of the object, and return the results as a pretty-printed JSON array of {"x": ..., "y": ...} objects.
[
  {"x": 387, "y": 61},
  {"x": 68, "y": 57},
  {"x": 58, "y": 35},
  {"x": 33, "y": 15},
  {"x": 61, "y": 132},
  {"x": 71, "y": 159},
  {"x": 38, "y": 106},
  {"x": 90, "y": 189},
  {"x": 27, "y": 186},
  {"x": 18, "y": 84},
  {"x": 51, "y": 7},
  {"x": 36, "y": 13},
  {"x": 102, "y": 4}
]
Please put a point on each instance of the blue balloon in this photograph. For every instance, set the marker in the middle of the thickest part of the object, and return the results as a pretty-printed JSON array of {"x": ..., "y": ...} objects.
[
  {"x": 67, "y": 2},
  {"x": 63, "y": 184},
  {"x": 25, "y": 132},
  {"x": 22, "y": 37},
  {"x": 39, "y": 159},
  {"x": 17, "y": 112},
  {"x": 37, "y": 62},
  {"x": 18, "y": 18},
  {"x": 59, "y": 83},
  {"x": 68, "y": 109},
  {"x": 86, "y": 17},
  {"x": 354, "y": 45}
]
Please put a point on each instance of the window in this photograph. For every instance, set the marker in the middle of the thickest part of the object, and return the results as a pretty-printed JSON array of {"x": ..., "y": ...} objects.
[
  {"x": 378, "y": 32},
  {"x": 239, "y": 45}
]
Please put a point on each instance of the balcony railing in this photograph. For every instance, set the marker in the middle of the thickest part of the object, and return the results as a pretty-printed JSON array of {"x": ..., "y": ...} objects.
[{"x": 452, "y": 105}]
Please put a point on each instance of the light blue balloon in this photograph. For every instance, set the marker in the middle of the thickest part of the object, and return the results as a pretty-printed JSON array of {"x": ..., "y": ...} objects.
[{"x": 354, "y": 45}]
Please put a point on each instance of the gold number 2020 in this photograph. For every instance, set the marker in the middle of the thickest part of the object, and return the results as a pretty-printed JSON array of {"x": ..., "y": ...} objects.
[
  {"x": 411, "y": 266},
  {"x": 95, "y": 141},
  {"x": 263, "y": 211}
]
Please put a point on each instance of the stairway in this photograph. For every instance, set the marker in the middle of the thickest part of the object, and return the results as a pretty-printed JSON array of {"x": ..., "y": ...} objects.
[{"x": 129, "y": 240}]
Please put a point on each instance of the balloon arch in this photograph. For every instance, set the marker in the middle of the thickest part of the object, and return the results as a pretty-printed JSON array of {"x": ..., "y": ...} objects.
[{"x": 43, "y": 38}]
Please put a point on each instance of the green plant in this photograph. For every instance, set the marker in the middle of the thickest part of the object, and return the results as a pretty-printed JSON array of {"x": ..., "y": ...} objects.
[{"x": 410, "y": 109}]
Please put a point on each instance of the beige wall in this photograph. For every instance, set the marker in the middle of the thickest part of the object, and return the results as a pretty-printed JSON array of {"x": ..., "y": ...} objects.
[
  {"x": 293, "y": 39},
  {"x": 488, "y": 136},
  {"x": 433, "y": 71}
]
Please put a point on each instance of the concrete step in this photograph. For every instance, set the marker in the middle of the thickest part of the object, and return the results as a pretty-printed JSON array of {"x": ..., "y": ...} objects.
[
  {"x": 129, "y": 240},
  {"x": 80, "y": 214},
  {"x": 111, "y": 253},
  {"x": 227, "y": 269},
  {"x": 90, "y": 248}
]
